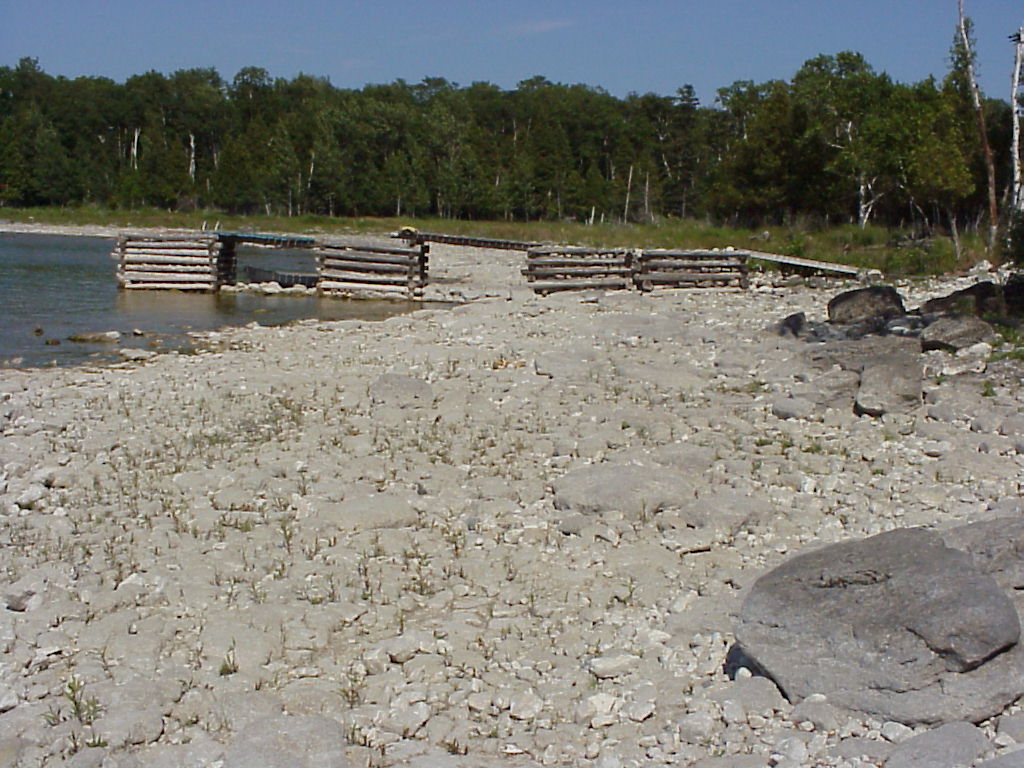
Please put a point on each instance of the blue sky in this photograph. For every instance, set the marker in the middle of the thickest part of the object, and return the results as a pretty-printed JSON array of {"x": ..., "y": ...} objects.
[{"x": 620, "y": 45}]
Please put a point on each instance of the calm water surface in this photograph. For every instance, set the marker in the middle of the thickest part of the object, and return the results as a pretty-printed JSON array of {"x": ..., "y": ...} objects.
[{"x": 53, "y": 287}]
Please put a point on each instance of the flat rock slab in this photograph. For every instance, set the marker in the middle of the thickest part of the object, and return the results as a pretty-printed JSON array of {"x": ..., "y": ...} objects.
[
  {"x": 284, "y": 741},
  {"x": 898, "y": 626},
  {"x": 951, "y": 746},
  {"x": 889, "y": 384},
  {"x": 855, "y": 355},
  {"x": 380, "y": 510},
  {"x": 401, "y": 391},
  {"x": 632, "y": 489}
]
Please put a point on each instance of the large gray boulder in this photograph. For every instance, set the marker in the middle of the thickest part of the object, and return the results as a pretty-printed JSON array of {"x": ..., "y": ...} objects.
[
  {"x": 996, "y": 547},
  {"x": 898, "y": 626},
  {"x": 953, "y": 332},
  {"x": 984, "y": 298},
  {"x": 873, "y": 302}
]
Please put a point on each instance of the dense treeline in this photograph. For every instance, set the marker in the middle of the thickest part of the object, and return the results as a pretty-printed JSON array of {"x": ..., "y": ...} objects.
[{"x": 838, "y": 142}]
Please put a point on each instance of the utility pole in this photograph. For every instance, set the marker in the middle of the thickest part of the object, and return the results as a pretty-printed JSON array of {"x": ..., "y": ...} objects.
[{"x": 1017, "y": 108}]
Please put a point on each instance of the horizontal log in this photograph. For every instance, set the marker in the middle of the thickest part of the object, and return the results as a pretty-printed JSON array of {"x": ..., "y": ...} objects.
[
  {"x": 350, "y": 287},
  {"x": 688, "y": 277},
  {"x": 580, "y": 262},
  {"x": 363, "y": 277},
  {"x": 576, "y": 252},
  {"x": 168, "y": 286},
  {"x": 659, "y": 253},
  {"x": 176, "y": 276},
  {"x": 180, "y": 234},
  {"x": 595, "y": 270},
  {"x": 368, "y": 258},
  {"x": 365, "y": 266},
  {"x": 656, "y": 264},
  {"x": 578, "y": 285},
  {"x": 558, "y": 249},
  {"x": 413, "y": 253},
  {"x": 143, "y": 266},
  {"x": 149, "y": 245},
  {"x": 149, "y": 258}
]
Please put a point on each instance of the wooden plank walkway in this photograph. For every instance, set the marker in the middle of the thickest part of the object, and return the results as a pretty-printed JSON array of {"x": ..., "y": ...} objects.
[
  {"x": 415, "y": 237},
  {"x": 798, "y": 261}
]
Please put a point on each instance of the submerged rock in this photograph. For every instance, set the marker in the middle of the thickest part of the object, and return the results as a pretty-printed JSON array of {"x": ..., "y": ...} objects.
[{"x": 97, "y": 337}]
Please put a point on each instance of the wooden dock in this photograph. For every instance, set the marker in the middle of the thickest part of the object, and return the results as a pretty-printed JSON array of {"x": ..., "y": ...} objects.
[
  {"x": 566, "y": 269},
  {"x": 207, "y": 261},
  {"x": 550, "y": 269},
  {"x": 350, "y": 270},
  {"x": 688, "y": 269},
  {"x": 415, "y": 237},
  {"x": 812, "y": 264},
  {"x": 169, "y": 262}
]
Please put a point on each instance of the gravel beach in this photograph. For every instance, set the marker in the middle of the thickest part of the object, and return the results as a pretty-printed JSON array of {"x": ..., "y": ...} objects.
[{"x": 515, "y": 532}]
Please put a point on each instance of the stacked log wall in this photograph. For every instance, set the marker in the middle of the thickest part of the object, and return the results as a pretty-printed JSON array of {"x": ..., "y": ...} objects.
[
  {"x": 359, "y": 270},
  {"x": 683, "y": 269},
  {"x": 168, "y": 262},
  {"x": 564, "y": 269},
  {"x": 572, "y": 269}
]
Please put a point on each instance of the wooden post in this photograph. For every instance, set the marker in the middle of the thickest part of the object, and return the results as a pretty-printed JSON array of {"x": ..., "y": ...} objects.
[{"x": 121, "y": 246}]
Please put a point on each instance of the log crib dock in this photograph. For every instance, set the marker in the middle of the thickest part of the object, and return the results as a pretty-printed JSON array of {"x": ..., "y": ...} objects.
[{"x": 207, "y": 261}]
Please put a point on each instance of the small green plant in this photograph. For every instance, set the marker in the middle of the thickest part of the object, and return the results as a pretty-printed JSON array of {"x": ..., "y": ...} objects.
[
  {"x": 229, "y": 664},
  {"x": 988, "y": 389},
  {"x": 85, "y": 709},
  {"x": 351, "y": 689}
]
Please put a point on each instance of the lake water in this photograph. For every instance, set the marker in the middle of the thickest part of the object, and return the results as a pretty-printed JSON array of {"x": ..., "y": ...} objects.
[{"x": 53, "y": 287}]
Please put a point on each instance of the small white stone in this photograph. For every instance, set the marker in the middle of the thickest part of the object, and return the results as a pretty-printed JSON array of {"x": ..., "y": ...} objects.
[
  {"x": 604, "y": 667},
  {"x": 639, "y": 711},
  {"x": 896, "y": 732},
  {"x": 526, "y": 706}
]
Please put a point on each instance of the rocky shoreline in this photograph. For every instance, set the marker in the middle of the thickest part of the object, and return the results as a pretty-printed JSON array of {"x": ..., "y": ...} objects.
[{"x": 517, "y": 532}]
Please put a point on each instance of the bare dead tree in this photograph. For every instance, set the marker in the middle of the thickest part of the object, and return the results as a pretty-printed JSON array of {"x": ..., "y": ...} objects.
[
  {"x": 990, "y": 167},
  {"x": 1017, "y": 108}
]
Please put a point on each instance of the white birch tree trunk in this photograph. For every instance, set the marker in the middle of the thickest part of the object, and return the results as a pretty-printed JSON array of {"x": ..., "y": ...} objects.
[
  {"x": 135, "y": 149},
  {"x": 1017, "y": 108},
  {"x": 993, "y": 205},
  {"x": 629, "y": 188}
]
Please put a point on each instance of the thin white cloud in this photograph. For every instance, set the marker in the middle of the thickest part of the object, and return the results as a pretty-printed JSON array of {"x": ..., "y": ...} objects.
[{"x": 541, "y": 27}]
